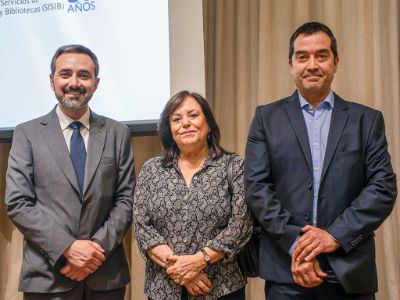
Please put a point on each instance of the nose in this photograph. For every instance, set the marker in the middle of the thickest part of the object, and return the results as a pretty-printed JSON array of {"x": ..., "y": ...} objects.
[
  {"x": 185, "y": 121},
  {"x": 74, "y": 81},
  {"x": 312, "y": 63}
]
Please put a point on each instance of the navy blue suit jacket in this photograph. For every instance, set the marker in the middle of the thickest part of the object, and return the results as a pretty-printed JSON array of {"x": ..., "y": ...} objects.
[{"x": 357, "y": 190}]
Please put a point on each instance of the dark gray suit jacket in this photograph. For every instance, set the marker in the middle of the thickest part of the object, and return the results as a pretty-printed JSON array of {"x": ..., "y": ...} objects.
[
  {"x": 44, "y": 202},
  {"x": 357, "y": 190}
]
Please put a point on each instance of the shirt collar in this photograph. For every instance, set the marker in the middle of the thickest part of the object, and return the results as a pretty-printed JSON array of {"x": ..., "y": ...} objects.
[
  {"x": 210, "y": 161},
  {"x": 328, "y": 101},
  {"x": 66, "y": 120}
]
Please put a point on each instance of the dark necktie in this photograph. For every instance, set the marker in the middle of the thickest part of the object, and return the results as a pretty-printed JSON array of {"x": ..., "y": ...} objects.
[{"x": 78, "y": 153}]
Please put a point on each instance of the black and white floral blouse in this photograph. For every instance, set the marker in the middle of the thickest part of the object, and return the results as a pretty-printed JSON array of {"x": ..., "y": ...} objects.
[{"x": 188, "y": 218}]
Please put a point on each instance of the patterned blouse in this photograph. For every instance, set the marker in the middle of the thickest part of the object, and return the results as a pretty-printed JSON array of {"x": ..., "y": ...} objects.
[{"x": 188, "y": 218}]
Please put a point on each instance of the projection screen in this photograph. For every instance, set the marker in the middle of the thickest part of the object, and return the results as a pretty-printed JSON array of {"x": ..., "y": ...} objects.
[{"x": 145, "y": 49}]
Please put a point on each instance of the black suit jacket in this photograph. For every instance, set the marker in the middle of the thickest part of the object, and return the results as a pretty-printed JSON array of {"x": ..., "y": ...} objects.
[{"x": 357, "y": 188}]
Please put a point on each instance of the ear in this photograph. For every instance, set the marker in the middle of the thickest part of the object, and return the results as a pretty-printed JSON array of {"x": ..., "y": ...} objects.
[
  {"x": 336, "y": 63},
  {"x": 96, "y": 84},
  {"x": 290, "y": 66},
  {"x": 51, "y": 81}
]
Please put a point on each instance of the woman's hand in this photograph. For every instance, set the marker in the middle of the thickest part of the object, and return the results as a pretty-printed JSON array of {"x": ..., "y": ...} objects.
[
  {"x": 160, "y": 254},
  {"x": 200, "y": 285},
  {"x": 185, "y": 268}
]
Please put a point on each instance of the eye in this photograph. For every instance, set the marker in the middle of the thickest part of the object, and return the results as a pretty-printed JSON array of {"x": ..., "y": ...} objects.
[
  {"x": 193, "y": 115},
  {"x": 323, "y": 56},
  {"x": 175, "y": 119},
  {"x": 84, "y": 76},
  {"x": 301, "y": 57},
  {"x": 63, "y": 74}
]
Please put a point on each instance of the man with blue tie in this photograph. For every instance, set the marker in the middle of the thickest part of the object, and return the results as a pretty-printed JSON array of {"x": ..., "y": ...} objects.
[
  {"x": 70, "y": 190},
  {"x": 319, "y": 179}
]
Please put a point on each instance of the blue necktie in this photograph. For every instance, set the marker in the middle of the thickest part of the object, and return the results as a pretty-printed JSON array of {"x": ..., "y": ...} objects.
[{"x": 78, "y": 153}]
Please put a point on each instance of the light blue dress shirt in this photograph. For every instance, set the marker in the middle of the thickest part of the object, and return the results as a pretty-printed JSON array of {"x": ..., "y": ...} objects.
[{"x": 317, "y": 123}]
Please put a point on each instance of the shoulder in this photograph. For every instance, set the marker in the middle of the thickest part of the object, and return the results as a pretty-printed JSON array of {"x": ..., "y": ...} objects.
[
  {"x": 149, "y": 177},
  {"x": 276, "y": 109},
  {"x": 31, "y": 128},
  {"x": 32, "y": 123},
  {"x": 359, "y": 113},
  {"x": 273, "y": 106},
  {"x": 355, "y": 107},
  {"x": 45, "y": 119},
  {"x": 152, "y": 166},
  {"x": 237, "y": 161},
  {"x": 108, "y": 122}
]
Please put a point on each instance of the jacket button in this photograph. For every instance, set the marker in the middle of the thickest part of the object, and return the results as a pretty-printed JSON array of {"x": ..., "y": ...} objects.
[
  {"x": 307, "y": 217},
  {"x": 309, "y": 185}
]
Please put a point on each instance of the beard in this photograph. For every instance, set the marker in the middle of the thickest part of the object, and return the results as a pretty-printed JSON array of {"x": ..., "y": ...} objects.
[{"x": 76, "y": 102}]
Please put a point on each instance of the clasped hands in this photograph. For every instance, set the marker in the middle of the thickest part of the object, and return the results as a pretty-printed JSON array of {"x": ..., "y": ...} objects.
[
  {"x": 185, "y": 270},
  {"x": 306, "y": 270},
  {"x": 84, "y": 257}
]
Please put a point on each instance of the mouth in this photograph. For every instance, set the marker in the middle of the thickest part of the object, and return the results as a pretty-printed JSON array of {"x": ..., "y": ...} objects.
[
  {"x": 312, "y": 78},
  {"x": 75, "y": 93},
  {"x": 73, "y": 99},
  {"x": 187, "y": 132}
]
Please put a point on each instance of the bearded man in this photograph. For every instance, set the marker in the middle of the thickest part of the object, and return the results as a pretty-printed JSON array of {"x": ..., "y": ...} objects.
[{"x": 69, "y": 190}]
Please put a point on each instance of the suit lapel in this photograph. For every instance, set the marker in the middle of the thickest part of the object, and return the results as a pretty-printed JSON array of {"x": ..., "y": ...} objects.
[
  {"x": 55, "y": 141},
  {"x": 296, "y": 119},
  {"x": 338, "y": 122},
  {"x": 97, "y": 138}
]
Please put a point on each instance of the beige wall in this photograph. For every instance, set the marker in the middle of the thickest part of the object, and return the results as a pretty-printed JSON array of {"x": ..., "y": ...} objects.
[
  {"x": 186, "y": 46},
  {"x": 246, "y": 65}
]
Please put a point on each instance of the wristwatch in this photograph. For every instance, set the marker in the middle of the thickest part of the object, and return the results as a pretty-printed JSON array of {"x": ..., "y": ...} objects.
[{"x": 207, "y": 257}]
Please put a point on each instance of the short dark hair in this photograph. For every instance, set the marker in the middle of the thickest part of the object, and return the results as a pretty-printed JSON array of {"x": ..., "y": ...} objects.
[
  {"x": 310, "y": 28},
  {"x": 75, "y": 48},
  {"x": 171, "y": 150}
]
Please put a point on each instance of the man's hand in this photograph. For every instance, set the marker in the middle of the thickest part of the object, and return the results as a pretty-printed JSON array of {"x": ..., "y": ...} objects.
[
  {"x": 74, "y": 273},
  {"x": 185, "y": 267},
  {"x": 160, "y": 254},
  {"x": 307, "y": 273},
  {"x": 313, "y": 242},
  {"x": 85, "y": 255},
  {"x": 200, "y": 285}
]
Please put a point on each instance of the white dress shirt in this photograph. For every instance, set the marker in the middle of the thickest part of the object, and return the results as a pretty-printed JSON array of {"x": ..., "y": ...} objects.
[{"x": 67, "y": 131}]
